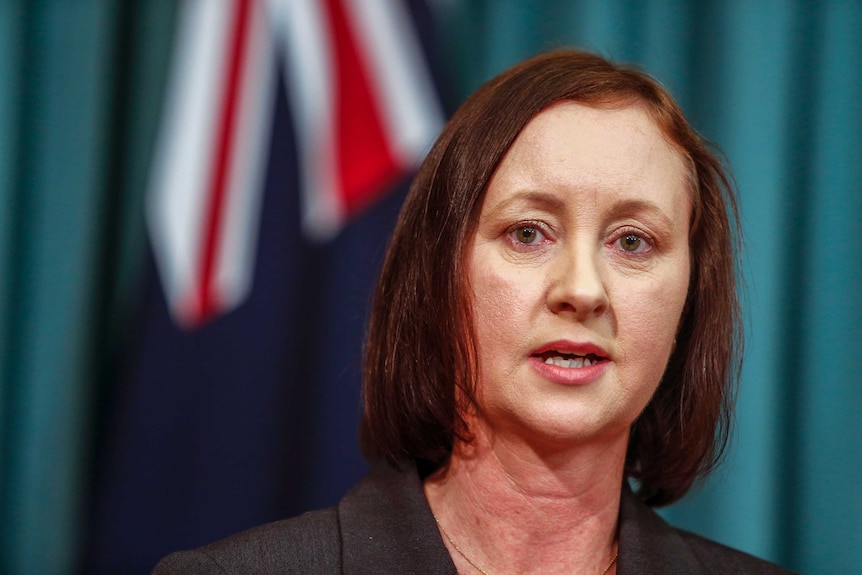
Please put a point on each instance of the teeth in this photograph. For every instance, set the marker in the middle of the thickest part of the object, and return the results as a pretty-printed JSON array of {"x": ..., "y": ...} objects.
[{"x": 569, "y": 363}]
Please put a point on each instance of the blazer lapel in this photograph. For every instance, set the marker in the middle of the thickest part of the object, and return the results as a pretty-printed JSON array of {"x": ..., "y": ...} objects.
[
  {"x": 649, "y": 545},
  {"x": 387, "y": 527}
]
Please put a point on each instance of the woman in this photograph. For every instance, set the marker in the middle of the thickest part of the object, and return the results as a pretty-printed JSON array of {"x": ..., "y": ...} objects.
[{"x": 557, "y": 313}]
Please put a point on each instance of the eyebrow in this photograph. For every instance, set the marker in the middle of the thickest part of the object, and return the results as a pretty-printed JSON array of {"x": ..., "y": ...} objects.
[
  {"x": 635, "y": 206},
  {"x": 550, "y": 202}
]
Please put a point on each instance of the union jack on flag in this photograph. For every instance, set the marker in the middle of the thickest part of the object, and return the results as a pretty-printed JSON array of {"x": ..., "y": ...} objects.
[{"x": 364, "y": 111}]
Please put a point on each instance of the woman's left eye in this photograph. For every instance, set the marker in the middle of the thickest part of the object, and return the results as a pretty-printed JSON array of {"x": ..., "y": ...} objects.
[{"x": 633, "y": 243}]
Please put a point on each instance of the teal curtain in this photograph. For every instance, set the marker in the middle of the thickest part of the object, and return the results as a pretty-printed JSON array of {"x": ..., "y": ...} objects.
[
  {"x": 777, "y": 85},
  {"x": 79, "y": 86}
]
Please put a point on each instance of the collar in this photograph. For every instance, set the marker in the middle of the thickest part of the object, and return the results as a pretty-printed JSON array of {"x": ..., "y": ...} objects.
[{"x": 387, "y": 527}]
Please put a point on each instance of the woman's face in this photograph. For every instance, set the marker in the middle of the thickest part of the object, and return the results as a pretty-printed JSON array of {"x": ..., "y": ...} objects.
[{"x": 579, "y": 270}]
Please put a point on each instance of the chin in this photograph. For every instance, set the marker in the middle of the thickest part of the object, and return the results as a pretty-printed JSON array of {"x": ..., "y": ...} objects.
[{"x": 564, "y": 430}]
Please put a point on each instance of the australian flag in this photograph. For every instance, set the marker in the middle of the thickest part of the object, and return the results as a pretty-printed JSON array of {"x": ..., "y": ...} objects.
[{"x": 288, "y": 131}]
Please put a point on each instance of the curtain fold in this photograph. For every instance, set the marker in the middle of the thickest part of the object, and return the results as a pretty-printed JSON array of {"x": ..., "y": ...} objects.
[
  {"x": 72, "y": 157},
  {"x": 827, "y": 454},
  {"x": 55, "y": 189}
]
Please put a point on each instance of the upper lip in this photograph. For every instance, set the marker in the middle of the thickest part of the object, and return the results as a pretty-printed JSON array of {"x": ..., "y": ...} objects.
[{"x": 572, "y": 348}]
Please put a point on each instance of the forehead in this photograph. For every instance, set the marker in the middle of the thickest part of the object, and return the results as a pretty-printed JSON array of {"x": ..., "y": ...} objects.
[{"x": 609, "y": 153}]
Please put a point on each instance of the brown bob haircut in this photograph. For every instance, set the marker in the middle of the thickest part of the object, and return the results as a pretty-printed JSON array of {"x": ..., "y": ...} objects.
[{"x": 420, "y": 344}]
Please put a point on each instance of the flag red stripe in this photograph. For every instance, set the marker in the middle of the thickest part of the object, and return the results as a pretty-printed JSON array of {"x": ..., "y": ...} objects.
[
  {"x": 207, "y": 296},
  {"x": 365, "y": 160}
]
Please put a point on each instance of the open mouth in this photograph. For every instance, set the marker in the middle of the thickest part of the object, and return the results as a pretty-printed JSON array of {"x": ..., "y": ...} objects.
[{"x": 569, "y": 360}]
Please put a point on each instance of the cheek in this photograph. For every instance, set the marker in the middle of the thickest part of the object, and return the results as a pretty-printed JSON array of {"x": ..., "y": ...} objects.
[
  {"x": 504, "y": 304},
  {"x": 500, "y": 294},
  {"x": 648, "y": 319}
]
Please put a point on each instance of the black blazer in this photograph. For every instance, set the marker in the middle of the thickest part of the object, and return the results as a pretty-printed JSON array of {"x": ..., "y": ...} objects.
[{"x": 384, "y": 525}]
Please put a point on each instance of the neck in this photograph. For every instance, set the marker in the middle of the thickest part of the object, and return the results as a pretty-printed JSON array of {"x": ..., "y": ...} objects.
[{"x": 513, "y": 508}]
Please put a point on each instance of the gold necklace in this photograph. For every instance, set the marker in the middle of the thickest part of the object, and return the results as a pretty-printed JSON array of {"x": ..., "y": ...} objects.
[{"x": 482, "y": 571}]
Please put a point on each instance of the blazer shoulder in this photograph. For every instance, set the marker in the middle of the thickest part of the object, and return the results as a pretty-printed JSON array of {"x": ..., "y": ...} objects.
[
  {"x": 306, "y": 544},
  {"x": 724, "y": 560}
]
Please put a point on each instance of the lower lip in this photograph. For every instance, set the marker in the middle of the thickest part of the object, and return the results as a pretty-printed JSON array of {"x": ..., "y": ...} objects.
[{"x": 570, "y": 375}]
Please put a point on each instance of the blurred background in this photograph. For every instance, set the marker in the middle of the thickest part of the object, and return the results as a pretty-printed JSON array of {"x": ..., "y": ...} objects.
[{"x": 195, "y": 198}]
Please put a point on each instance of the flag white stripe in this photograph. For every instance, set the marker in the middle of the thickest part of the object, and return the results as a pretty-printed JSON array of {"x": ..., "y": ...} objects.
[
  {"x": 398, "y": 73},
  {"x": 303, "y": 28},
  {"x": 182, "y": 163},
  {"x": 245, "y": 186}
]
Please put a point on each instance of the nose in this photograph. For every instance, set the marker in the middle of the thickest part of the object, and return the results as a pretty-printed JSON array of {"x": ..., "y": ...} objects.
[{"x": 577, "y": 284}]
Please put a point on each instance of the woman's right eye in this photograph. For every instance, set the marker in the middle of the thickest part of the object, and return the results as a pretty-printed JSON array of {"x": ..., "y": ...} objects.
[{"x": 528, "y": 235}]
